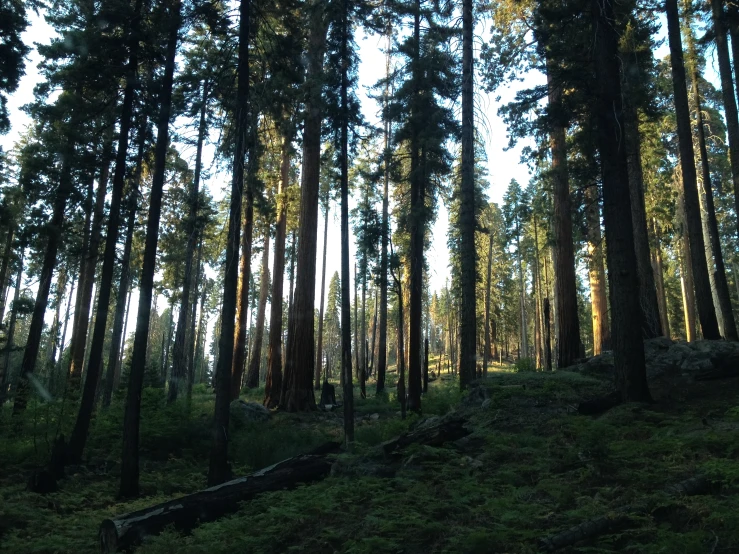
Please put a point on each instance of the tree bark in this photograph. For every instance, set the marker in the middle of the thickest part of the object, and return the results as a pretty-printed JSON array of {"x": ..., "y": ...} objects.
[
  {"x": 319, "y": 347},
  {"x": 252, "y": 376},
  {"x": 190, "y": 344},
  {"x": 596, "y": 272},
  {"x": 129, "y": 486},
  {"x": 628, "y": 347},
  {"x": 704, "y": 301},
  {"x": 567, "y": 326},
  {"x": 273, "y": 385},
  {"x": 467, "y": 213}
]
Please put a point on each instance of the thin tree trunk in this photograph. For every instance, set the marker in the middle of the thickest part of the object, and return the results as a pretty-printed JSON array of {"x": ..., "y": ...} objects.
[
  {"x": 7, "y": 253},
  {"x": 596, "y": 272},
  {"x": 319, "y": 347},
  {"x": 523, "y": 332},
  {"x": 363, "y": 338},
  {"x": 129, "y": 486},
  {"x": 374, "y": 336},
  {"x": 659, "y": 280},
  {"x": 647, "y": 289},
  {"x": 54, "y": 233},
  {"x": 382, "y": 348},
  {"x": 79, "y": 434},
  {"x": 346, "y": 341},
  {"x": 488, "y": 283},
  {"x": 121, "y": 307},
  {"x": 179, "y": 354},
  {"x": 628, "y": 347},
  {"x": 190, "y": 345},
  {"x": 704, "y": 301},
  {"x": 84, "y": 295},
  {"x": 567, "y": 326},
  {"x": 356, "y": 323},
  {"x": 5, "y": 376},
  {"x": 727, "y": 92},
  {"x": 714, "y": 256},
  {"x": 273, "y": 384},
  {"x": 252, "y": 376}
]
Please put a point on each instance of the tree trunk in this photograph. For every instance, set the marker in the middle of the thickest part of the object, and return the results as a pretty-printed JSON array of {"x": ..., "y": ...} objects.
[
  {"x": 467, "y": 219},
  {"x": 704, "y": 301},
  {"x": 387, "y": 153},
  {"x": 346, "y": 340},
  {"x": 79, "y": 434},
  {"x": 416, "y": 231},
  {"x": 727, "y": 92},
  {"x": 190, "y": 344},
  {"x": 647, "y": 288},
  {"x": 54, "y": 233},
  {"x": 717, "y": 272},
  {"x": 126, "y": 531},
  {"x": 523, "y": 331},
  {"x": 252, "y": 376},
  {"x": 356, "y": 322},
  {"x": 363, "y": 338},
  {"x": 300, "y": 352},
  {"x": 659, "y": 281},
  {"x": 567, "y": 326},
  {"x": 242, "y": 295},
  {"x": 84, "y": 294},
  {"x": 374, "y": 337},
  {"x": 273, "y": 385},
  {"x": 219, "y": 470},
  {"x": 488, "y": 283},
  {"x": 596, "y": 272},
  {"x": 628, "y": 347},
  {"x": 4, "y": 268},
  {"x": 121, "y": 307},
  {"x": 426, "y": 365},
  {"x": 5, "y": 375},
  {"x": 319, "y": 347},
  {"x": 179, "y": 354},
  {"x": 687, "y": 288},
  {"x": 129, "y": 486}
]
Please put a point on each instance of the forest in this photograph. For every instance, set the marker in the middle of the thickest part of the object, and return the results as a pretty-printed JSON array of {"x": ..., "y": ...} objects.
[{"x": 182, "y": 369}]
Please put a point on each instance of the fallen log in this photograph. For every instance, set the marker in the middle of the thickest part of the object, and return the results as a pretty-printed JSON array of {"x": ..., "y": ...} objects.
[
  {"x": 618, "y": 518},
  {"x": 127, "y": 530},
  {"x": 599, "y": 405},
  {"x": 433, "y": 433}
]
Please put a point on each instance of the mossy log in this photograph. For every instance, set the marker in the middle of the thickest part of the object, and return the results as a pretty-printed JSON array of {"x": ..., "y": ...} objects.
[{"x": 127, "y": 530}]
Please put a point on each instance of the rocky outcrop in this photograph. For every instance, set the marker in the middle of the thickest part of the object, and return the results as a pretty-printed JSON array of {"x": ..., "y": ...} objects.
[{"x": 667, "y": 359}]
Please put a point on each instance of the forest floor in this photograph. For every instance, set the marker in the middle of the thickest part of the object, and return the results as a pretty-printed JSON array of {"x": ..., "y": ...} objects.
[{"x": 531, "y": 469}]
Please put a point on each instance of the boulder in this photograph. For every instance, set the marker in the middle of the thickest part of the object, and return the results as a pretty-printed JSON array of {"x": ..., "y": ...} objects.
[{"x": 244, "y": 412}]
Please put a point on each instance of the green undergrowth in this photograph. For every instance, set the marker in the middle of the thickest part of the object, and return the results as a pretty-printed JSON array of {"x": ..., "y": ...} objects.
[{"x": 531, "y": 468}]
